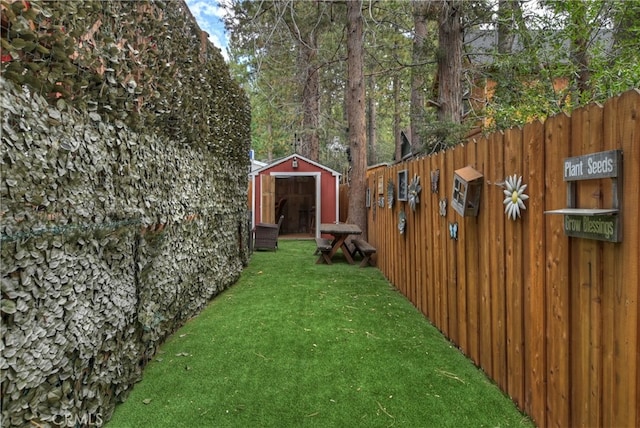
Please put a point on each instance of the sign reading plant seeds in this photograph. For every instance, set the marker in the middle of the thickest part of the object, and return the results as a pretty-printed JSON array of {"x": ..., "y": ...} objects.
[{"x": 594, "y": 165}]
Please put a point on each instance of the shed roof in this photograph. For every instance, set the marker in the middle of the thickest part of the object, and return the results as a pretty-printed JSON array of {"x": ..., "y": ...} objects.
[{"x": 299, "y": 157}]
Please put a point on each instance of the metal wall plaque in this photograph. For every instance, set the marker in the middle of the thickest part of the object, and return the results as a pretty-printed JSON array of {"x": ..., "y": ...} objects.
[
  {"x": 598, "y": 227},
  {"x": 403, "y": 185},
  {"x": 592, "y": 166}
]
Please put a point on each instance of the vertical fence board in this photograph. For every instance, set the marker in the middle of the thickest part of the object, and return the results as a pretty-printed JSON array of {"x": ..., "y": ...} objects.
[
  {"x": 396, "y": 239},
  {"x": 442, "y": 289},
  {"x": 417, "y": 247},
  {"x": 392, "y": 231},
  {"x": 389, "y": 232},
  {"x": 419, "y": 241},
  {"x": 594, "y": 143},
  {"x": 435, "y": 236},
  {"x": 407, "y": 268},
  {"x": 378, "y": 238},
  {"x": 534, "y": 297},
  {"x": 514, "y": 269},
  {"x": 557, "y": 134},
  {"x": 406, "y": 237},
  {"x": 460, "y": 264},
  {"x": 626, "y": 304},
  {"x": 496, "y": 257},
  {"x": 450, "y": 259},
  {"x": 473, "y": 237},
  {"x": 484, "y": 219},
  {"x": 414, "y": 236},
  {"x": 402, "y": 268},
  {"x": 423, "y": 208},
  {"x": 384, "y": 245},
  {"x": 632, "y": 146},
  {"x": 578, "y": 295},
  {"x": 613, "y": 280},
  {"x": 586, "y": 137},
  {"x": 409, "y": 237},
  {"x": 389, "y": 229}
]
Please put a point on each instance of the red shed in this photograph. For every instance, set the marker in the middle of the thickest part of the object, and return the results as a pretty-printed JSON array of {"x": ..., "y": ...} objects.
[{"x": 300, "y": 189}]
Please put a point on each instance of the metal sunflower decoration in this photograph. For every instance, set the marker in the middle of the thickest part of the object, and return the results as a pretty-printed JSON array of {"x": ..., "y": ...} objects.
[
  {"x": 390, "y": 189},
  {"x": 414, "y": 192},
  {"x": 515, "y": 196}
]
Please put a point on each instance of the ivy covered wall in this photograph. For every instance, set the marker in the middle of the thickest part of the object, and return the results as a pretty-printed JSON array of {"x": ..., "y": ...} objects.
[{"x": 123, "y": 197}]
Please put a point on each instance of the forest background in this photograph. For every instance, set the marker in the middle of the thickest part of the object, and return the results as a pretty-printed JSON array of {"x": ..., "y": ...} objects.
[{"x": 437, "y": 71}]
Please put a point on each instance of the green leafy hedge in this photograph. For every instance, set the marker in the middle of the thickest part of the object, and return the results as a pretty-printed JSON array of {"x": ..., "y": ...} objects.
[{"x": 124, "y": 180}]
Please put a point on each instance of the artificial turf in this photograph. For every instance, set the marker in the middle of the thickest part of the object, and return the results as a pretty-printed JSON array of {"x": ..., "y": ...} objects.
[{"x": 296, "y": 344}]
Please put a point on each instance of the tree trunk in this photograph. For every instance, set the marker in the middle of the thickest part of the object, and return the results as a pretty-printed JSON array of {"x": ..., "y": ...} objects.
[
  {"x": 417, "y": 125},
  {"x": 371, "y": 123},
  {"x": 450, "y": 62},
  {"x": 397, "y": 137},
  {"x": 356, "y": 115},
  {"x": 308, "y": 67},
  {"x": 523, "y": 31},
  {"x": 506, "y": 24},
  {"x": 269, "y": 142},
  {"x": 580, "y": 52}
]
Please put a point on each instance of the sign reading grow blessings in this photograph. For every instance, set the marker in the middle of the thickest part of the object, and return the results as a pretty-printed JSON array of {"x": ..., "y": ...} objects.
[{"x": 599, "y": 227}]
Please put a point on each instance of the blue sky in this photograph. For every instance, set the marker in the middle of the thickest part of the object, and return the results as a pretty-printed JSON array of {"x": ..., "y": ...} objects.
[{"x": 209, "y": 15}]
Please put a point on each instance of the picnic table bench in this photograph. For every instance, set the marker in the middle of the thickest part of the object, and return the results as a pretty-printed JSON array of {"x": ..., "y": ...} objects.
[
  {"x": 365, "y": 249},
  {"x": 323, "y": 246}
]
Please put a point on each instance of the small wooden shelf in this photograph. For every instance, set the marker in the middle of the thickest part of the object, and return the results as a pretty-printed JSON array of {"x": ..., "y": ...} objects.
[
  {"x": 584, "y": 211},
  {"x": 602, "y": 224}
]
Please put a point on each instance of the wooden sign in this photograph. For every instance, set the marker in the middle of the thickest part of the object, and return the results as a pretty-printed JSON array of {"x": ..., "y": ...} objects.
[
  {"x": 602, "y": 224},
  {"x": 598, "y": 227},
  {"x": 593, "y": 165}
]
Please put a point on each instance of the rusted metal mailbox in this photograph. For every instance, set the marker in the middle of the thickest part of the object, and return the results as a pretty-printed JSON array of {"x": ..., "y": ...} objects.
[{"x": 467, "y": 187}]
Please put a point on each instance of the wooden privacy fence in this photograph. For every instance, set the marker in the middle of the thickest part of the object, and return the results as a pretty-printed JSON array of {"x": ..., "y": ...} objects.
[{"x": 552, "y": 319}]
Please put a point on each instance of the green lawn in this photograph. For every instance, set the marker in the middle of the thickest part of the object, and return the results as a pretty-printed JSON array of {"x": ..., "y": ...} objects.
[{"x": 295, "y": 344}]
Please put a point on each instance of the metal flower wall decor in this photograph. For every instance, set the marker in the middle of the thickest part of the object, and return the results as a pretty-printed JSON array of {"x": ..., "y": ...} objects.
[
  {"x": 414, "y": 192},
  {"x": 515, "y": 196}
]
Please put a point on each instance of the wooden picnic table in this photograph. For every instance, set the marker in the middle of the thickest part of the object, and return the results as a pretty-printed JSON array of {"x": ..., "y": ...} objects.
[{"x": 340, "y": 232}]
